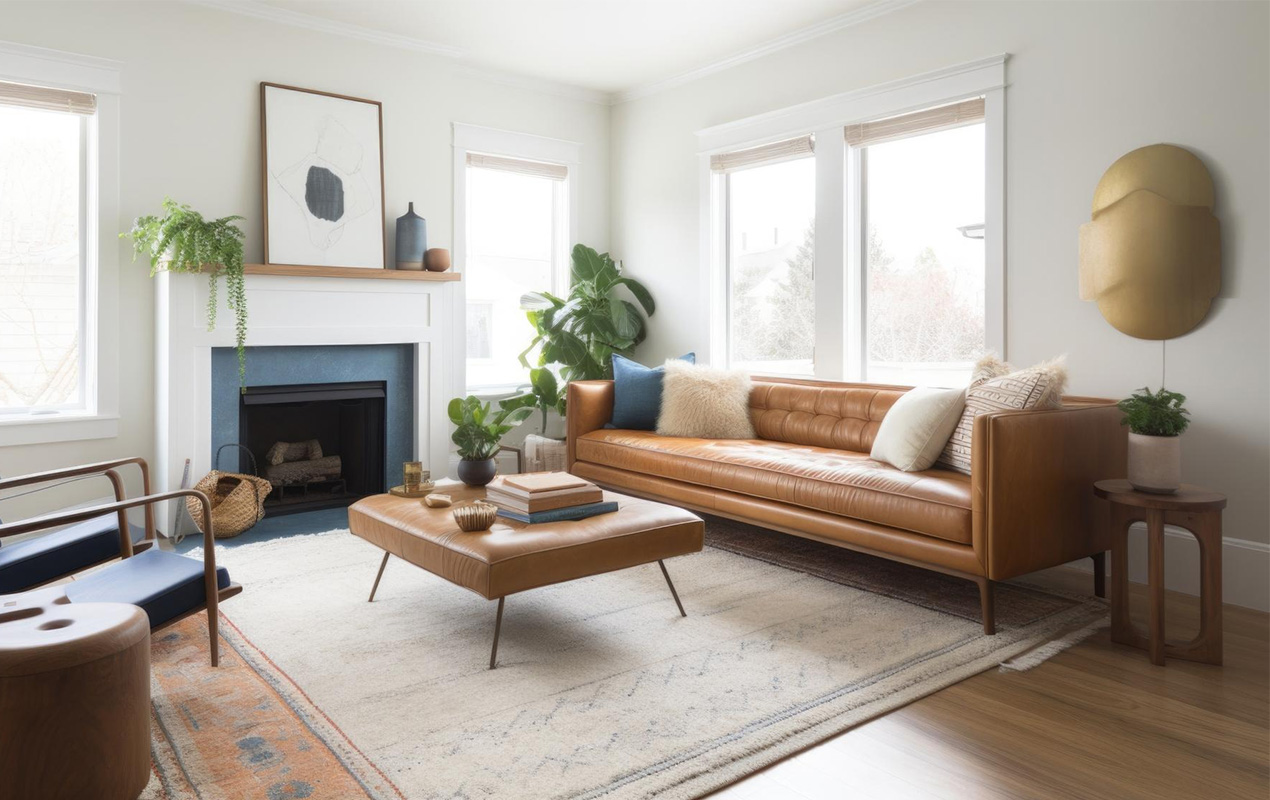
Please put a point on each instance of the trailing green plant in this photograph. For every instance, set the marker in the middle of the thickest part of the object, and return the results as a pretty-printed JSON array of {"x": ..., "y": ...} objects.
[
  {"x": 545, "y": 394},
  {"x": 180, "y": 240},
  {"x": 582, "y": 332},
  {"x": 478, "y": 429},
  {"x": 1159, "y": 413}
]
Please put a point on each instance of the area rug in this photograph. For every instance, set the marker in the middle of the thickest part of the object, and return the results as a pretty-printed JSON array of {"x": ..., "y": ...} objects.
[{"x": 602, "y": 689}]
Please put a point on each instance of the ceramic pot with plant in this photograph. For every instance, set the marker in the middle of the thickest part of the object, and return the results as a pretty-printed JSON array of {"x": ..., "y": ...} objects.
[
  {"x": 478, "y": 432},
  {"x": 1156, "y": 422}
]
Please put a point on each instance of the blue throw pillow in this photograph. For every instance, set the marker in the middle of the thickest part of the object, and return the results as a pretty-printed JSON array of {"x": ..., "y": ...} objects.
[{"x": 637, "y": 393}]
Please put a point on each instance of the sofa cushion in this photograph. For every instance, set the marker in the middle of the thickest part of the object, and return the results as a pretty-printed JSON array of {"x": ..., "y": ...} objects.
[
  {"x": 637, "y": 392},
  {"x": 841, "y": 416},
  {"x": 31, "y": 562},
  {"x": 164, "y": 584},
  {"x": 850, "y": 484}
]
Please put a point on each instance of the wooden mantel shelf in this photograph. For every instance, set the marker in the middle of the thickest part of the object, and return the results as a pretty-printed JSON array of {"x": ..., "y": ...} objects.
[{"x": 349, "y": 272}]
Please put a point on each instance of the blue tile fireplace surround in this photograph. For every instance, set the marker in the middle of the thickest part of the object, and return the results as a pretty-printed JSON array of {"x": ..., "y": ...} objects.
[{"x": 390, "y": 366}]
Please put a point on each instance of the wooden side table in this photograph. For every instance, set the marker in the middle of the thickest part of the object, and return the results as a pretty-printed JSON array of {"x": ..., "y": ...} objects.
[
  {"x": 1193, "y": 508},
  {"x": 74, "y": 698}
]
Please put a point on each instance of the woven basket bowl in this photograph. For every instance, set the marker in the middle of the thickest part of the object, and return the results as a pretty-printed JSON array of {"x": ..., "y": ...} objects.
[{"x": 475, "y": 517}]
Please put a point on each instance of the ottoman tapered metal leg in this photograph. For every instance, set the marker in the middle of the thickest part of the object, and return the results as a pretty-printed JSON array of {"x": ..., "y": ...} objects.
[
  {"x": 498, "y": 626},
  {"x": 673, "y": 593},
  {"x": 379, "y": 575}
]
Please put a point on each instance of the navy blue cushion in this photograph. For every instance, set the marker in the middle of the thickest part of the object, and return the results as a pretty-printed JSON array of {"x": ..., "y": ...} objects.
[
  {"x": 637, "y": 393},
  {"x": 165, "y": 585},
  {"x": 49, "y": 556}
]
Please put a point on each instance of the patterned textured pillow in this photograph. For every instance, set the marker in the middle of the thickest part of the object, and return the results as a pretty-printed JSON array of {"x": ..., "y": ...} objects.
[{"x": 1036, "y": 387}]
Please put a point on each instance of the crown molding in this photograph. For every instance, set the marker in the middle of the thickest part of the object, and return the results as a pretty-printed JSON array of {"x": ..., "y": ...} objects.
[
  {"x": 298, "y": 19},
  {"x": 38, "y": 65},
  {"x": 855, "y": 17}
]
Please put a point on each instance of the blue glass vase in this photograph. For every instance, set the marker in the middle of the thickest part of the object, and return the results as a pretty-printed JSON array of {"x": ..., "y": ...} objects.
[{"x": 412, "y": 239}]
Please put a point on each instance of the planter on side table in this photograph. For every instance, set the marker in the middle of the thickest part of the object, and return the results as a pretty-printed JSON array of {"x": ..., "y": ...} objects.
[{"x": 1155, "y": 463}]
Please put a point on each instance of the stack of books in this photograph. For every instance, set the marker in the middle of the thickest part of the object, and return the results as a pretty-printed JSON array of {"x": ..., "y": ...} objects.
[{"x": 546, "y": 497}]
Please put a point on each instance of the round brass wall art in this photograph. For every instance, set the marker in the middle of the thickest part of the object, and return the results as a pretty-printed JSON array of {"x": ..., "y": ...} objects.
[{"x": 1151, "y": 255}]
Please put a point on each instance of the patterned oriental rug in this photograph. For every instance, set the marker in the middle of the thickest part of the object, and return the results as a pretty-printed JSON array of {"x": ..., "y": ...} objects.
[{"x": 602, "y": 689}]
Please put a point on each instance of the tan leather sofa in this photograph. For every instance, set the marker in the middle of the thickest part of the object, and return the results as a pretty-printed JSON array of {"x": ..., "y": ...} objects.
[{"x": 1028, "y": 503}]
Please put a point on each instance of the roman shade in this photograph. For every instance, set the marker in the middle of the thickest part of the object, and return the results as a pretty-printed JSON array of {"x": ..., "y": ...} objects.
[
  {"x": 932, "y": 119},
  {"x": 541, "y": 169},
  {"x": 46, "y": 99},
  {"x": 785, "y": 150}
]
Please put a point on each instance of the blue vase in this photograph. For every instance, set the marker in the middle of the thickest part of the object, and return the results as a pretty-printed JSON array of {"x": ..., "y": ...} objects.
[{"x": 412, "y": 239}]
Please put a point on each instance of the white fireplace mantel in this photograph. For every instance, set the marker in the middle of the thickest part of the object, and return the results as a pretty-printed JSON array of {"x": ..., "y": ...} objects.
[{"x": 292, "y": 310}]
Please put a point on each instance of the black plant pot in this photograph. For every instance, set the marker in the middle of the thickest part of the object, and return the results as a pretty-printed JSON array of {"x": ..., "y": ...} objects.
[{"x": 477, "y": 473}]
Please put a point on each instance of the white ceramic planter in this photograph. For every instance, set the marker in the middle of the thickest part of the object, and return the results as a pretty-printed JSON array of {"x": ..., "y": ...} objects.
[{"x": 1155, "y": 463}]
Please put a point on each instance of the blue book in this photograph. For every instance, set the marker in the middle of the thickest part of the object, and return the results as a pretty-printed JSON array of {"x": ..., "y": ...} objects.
[{"x": 559, "y": 514}]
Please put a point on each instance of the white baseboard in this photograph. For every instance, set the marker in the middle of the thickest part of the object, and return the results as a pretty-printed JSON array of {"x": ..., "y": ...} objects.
[{"x": 1245, "y": 566}]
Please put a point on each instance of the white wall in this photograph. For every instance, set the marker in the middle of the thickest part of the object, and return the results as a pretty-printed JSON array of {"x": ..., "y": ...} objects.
[
  {"x": 191, "y": 129},
  {"x": 1087, "y": 83}
]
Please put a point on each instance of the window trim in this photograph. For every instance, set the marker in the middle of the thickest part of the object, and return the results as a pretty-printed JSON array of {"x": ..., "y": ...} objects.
[
  {"x": 99, "y": 416},
  {"x": 839, "y": 241},
  {"x": 494, "y": 142}
]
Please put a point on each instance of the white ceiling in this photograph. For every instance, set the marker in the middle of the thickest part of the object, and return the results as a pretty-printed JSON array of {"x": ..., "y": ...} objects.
[{"x": 609, "y": 46}]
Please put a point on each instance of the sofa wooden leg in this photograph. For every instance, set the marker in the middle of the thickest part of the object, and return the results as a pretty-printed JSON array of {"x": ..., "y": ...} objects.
[
  {"x": 987, "y": 606},
  {"x": 1100, "y": 574}
]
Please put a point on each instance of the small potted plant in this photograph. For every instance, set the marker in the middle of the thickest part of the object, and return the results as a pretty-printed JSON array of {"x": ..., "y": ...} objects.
[
  {"x": 478, "y": 432},
  {"x": 545, "y": 395},
  {"x": 1156, "y": 422}
]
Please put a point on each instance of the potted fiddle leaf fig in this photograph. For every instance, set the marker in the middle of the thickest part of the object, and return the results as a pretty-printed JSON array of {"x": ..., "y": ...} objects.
[
  {"x": 583, "y": 331},
  {"x": 181, "y": 240},
  {"x": 1156, "y": 422},
  {"x": 478, "y": 433},
  {"x": 545, "y": 395}
]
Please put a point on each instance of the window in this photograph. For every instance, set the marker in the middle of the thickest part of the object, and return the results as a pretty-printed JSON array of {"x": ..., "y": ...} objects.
[
  {"x": 44, "y": 248},
  {"x": 924, "y": 270},
  {"x": 870, "y": 246},
  {"x": 770, "y": 215},
  {"x": 516, "y": 242}
]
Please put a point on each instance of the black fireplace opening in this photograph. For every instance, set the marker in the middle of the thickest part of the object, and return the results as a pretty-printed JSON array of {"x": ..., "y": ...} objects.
[{"x": 320, "y": 445}]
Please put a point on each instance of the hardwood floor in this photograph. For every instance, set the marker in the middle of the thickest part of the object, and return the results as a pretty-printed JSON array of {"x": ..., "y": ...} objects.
[{"x": 1096, "y": 721}]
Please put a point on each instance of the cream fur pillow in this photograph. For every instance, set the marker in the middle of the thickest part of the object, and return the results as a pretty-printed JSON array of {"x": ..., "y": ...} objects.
[
  {"x": 1036, "y": 387},
  {"x": 914, "y": 431},
  {"x": 705, "y": 403}
]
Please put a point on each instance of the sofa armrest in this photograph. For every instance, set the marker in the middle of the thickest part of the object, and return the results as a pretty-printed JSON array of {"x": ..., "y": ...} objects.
[
  {"x": 1032, "y": 476},
  {"x": 589, "y": 408}
]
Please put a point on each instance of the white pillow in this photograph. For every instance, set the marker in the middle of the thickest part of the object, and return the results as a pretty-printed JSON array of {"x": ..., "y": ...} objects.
[
  {"x": 913, "y": 433},
  {"x": 703, "y": 402}
]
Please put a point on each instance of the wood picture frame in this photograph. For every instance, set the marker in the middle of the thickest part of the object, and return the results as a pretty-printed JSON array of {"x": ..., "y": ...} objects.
[{"x": 328, "y": 199}]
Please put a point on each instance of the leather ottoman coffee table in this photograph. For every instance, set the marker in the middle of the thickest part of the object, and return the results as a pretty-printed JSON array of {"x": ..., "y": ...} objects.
[{"x": 514, "y": 556}]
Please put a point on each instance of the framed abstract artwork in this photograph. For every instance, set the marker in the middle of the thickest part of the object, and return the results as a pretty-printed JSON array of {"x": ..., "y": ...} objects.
[{"x": 323, "y": 178}]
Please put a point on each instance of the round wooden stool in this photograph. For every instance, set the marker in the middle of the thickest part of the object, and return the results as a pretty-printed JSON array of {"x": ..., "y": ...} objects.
[
  {"x": 1196, "y": 510},
  {"x": 74, "y": 698}
]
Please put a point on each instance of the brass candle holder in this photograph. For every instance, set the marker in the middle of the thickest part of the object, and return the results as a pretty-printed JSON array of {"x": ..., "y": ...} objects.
[{"x": 412, "y": 475}]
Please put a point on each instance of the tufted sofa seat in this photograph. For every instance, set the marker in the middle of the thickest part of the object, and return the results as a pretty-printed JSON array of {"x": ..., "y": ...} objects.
[
  {"x": 1026, "y": 505},
  {"x": 842, "y": 482}
]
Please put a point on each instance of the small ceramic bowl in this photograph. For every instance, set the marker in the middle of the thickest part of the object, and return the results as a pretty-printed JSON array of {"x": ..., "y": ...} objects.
[{"x": 475, "y": 517}]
